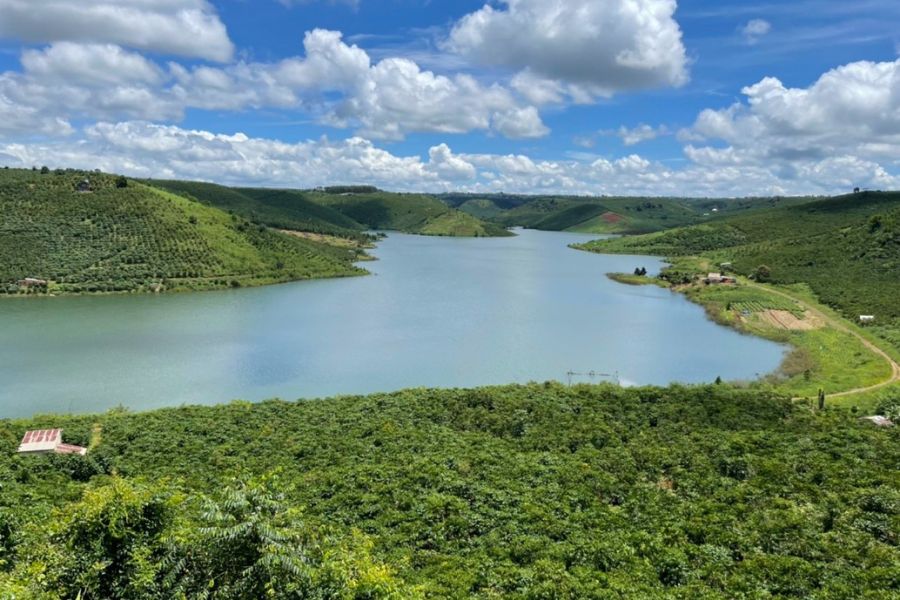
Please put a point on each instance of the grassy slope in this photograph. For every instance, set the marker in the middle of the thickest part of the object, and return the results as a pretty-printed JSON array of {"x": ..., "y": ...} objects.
[
  {"x": 529, "y": 491},
  {"x": 411, "y": 213},
  {"x": 283, "y": 209},
  {"x": 134, "y": 238}
]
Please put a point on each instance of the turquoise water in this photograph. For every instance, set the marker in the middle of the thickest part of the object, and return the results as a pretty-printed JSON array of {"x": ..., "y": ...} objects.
[{"x": 436, "y": 312}]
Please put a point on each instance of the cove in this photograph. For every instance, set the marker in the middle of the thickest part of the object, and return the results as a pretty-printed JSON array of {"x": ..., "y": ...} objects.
[{"x": 437, "y": 312}]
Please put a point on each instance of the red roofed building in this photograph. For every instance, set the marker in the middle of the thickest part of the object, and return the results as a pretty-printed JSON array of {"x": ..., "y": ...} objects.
[{"x": 42, "y": 441}]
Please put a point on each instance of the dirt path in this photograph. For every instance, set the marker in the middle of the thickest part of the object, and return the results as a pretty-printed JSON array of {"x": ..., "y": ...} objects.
[{"x": 835, "y": 323}]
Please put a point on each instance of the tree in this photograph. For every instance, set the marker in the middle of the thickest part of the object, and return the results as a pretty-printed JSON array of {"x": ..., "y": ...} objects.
[
  {"x": 108, "y": 545},
  {"x": 762, "y": 274},
  {"x": 45, "y": 169},
  {"x": 121, "y": 182},
  {"x": 248, "y": 547},
  {"x": 252, "y": 544}
]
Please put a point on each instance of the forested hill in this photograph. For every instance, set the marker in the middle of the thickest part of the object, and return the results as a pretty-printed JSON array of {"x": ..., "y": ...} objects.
[
  {"x": 538, "y": 491},
  {"x": 342, "y": 211},
  {"x": 846, "y": 248},
  {"x": 93, "y": 232},
  {"x": 412, "y": 213},
  {"x": 605, "y": 214},
  {"x": 284, "y": 209}
]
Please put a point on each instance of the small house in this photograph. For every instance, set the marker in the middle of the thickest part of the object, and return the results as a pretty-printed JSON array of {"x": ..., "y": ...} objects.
[
  {"x": 30, "y": 282},
  {"x": 866, "y": 318},
  {"x": 46, "y": 441},
  {"x": 717, "y": 278}
]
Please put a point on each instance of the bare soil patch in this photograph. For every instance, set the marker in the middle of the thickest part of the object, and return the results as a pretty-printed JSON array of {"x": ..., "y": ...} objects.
[{"x": 782, "y": 319}]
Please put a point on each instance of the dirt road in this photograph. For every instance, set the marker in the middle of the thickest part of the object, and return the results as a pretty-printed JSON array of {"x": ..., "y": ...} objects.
[{"x": 837, "y": 324}]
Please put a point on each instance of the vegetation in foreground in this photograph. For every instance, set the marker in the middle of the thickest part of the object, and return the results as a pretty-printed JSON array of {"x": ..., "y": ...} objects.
[
  {"x": 117, "y": 235},
  {"x": 537, "y": 491}
]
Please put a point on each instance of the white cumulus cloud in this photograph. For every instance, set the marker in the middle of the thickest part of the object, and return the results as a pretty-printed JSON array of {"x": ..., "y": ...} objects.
[
  {"x": 755, "y": 29},
  {"x": 851, "y": 110},
  {"x": 178, "y": 27},
  {"x": 587, "y": 47}
]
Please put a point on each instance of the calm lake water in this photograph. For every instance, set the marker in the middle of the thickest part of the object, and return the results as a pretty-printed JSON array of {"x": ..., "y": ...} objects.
[{"x": 436, "y": 312}]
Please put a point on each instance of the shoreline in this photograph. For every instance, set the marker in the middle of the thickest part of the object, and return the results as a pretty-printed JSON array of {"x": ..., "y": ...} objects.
[{"x": 781, "y": 379}]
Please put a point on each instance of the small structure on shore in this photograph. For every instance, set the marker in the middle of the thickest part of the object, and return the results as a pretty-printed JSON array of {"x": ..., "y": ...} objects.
[
  {"x": 717, "y": 278},
  {"x": 30, "y": 282},
  {"x": 46, "y": 441},
  {"x": 866, "y": 318}
]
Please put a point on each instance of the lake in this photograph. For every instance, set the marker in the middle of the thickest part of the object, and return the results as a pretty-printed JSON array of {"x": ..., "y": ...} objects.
[{"x": 443, "y": 312}]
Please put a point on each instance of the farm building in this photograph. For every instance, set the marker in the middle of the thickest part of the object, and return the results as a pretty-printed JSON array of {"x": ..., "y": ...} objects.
[
  {"x": 716, "y": 278},
  {"x": 45, "y": 441},
  {"x": 866, "y": 318},
  {"x": 32, "y": 282}
]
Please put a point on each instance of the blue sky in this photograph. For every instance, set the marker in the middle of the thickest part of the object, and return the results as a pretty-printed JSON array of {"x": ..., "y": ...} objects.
[{"x": 584, "y": 96}]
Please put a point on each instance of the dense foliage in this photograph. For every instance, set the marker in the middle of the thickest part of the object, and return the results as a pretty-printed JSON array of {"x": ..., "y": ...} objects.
[
  {"x": 85, "y": 232},
  {"x": 538, "y": 491}
]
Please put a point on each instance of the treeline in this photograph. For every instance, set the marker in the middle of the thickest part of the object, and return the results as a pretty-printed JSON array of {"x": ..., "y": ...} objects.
[
  {"x": 350, "y": 189},
  {"x": 537, "y": 491}
]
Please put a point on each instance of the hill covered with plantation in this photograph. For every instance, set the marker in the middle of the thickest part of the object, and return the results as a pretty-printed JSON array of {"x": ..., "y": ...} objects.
[
  {"x": 344, "y": 211},
  {"x": 537, "y": 491},
  {"x": 73, "y": 231}
]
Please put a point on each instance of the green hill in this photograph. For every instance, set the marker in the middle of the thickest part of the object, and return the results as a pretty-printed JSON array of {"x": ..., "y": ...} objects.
[
  {"x": 344, "y": 211},
  {"x": 410, "y": 213},
  {"x": 847, "y": 249},
  {"x": 537, "y": 491},
  {"x": 140, "y": 238},
  {"x": 481, "y": 208},
  {"x": 606, "y": 214},
  {"x": 283, "y": 209}
]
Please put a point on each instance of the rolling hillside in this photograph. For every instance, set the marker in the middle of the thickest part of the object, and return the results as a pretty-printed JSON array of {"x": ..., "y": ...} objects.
[
  {"x": 139, "y": 238},
  {"x": 343, "y": 211},
  {"x": 410, "y": 213},
  {"x": 283, "y": 209},
  {"x": 847, "y": 249},
  {"x": 605, "y": 214}
]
